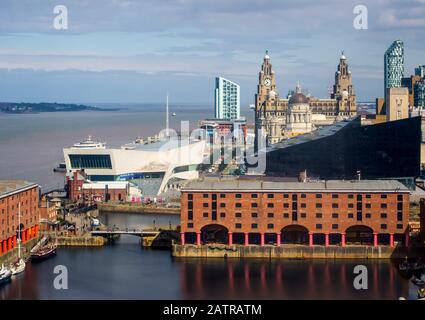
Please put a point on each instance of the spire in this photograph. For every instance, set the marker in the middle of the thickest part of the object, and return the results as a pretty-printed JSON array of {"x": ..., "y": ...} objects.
[
  {"x": 166, "y": 119},
  {"x": 267, "y": 55},
  {"x": 342, "y": 55},
  {"x": 298, "y": 88}
]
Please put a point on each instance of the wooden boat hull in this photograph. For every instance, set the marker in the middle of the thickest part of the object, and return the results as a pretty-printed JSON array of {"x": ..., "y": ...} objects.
[{"x": 36, "y": 257}]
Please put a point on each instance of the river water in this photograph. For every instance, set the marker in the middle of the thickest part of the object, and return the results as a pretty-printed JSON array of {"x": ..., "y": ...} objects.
[{"x": 124, "y": 270}]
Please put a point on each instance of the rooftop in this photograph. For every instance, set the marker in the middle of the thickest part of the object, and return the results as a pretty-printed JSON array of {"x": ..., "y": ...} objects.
[
  {"x": 157, "y": 146},
  {"x": 237, "y": 184},
  {"x": 322, "y": 132},
  {"x": 9, "y": 186}
]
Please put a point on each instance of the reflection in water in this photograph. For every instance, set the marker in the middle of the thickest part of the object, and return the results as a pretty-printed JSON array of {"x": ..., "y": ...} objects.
[
  {"x": 287, "y": 279},
  {"x": 124, "y": 270}
]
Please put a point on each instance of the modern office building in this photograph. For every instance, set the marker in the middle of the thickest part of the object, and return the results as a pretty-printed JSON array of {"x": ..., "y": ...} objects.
[
  {"x": 384, "y": 150},
  {"x": 394, "y": 65},
  {"x": 420, "y": 71},
  {"x": 419, "y": 97},
  {"x": 18, "y": 197},
  {"x": 260, "y": 211},
  {"x": 410, "y": 84},
  {"x": 227, "y": 99}
]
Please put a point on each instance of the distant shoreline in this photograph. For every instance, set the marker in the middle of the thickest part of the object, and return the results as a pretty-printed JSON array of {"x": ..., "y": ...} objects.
[{"x": 34, "y": 108}]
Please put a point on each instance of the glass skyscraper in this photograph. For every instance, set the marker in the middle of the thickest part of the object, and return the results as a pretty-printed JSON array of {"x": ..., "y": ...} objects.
[
  {"x": 420, "y": 71},
  {"x": 420, "y": 94},
  {"x": 227, "y": 99},
  {"x": 394, "y": 64}
]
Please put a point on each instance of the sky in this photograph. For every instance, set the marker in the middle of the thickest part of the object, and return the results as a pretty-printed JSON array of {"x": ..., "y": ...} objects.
[{"x": 128, "y": 51}]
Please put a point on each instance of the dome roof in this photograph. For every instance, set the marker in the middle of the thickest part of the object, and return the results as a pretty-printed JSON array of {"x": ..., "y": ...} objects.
[{"x": 298, "y": 98}]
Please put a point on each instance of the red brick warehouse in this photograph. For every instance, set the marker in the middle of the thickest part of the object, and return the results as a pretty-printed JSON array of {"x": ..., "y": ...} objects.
[
  {"x": 257, "y": 211},
  {"x": 13, "y": 193}
]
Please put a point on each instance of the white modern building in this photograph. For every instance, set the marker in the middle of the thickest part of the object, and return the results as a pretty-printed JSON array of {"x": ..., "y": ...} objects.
[
  {"x": 150, "y": 166},
  {"x": 227, "y": 99}
]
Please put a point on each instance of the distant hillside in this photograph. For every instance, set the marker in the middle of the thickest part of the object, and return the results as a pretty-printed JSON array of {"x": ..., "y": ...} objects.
[{"x": 11, "y": 107}]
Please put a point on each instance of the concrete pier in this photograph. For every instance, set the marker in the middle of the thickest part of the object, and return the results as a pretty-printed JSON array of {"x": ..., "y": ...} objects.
[{"x": 291, "y": 251}]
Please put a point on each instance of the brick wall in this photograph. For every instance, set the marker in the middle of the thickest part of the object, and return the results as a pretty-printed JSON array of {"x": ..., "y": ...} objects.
[{"x": 318, "y": 212}]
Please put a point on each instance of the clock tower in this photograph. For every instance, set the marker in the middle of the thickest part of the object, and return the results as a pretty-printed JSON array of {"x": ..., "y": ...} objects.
[{"x": 266, "y": 85}]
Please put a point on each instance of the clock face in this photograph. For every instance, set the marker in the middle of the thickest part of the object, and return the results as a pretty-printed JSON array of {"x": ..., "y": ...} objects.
[{"x": 267, "y": 82}]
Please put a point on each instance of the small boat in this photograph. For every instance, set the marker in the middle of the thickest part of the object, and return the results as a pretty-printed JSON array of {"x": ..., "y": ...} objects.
[
  {"x": 5, "y": 275},
  {"x": 43, "y": 253},
  {"x": 60, "y": 168},
  {"x": 17, "y": 267},
  {"x": 174, "y": 114}
]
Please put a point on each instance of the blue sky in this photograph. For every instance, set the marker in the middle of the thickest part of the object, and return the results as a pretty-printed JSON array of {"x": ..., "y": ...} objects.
[{"x": 136, "y": 51}]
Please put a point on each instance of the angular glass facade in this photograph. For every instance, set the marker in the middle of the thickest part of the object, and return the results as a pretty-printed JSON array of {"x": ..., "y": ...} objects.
[
  {"x": 90, "y": 161},
  {"x": 394, "y": 64},
  {"x": 385, "y": 150},
  {"x": 227, "y": 99},
  {"x": 420, "y": 71}
]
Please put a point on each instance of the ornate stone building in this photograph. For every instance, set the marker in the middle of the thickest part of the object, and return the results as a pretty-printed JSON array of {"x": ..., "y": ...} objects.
[
  {"x": 270, "y": 109},
  {"x": 298, "y": 116}
]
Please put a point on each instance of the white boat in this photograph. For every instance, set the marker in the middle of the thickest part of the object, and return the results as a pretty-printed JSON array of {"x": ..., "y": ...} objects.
[
  {"x": 174, "y": 114},
  {"x": 18, "y": 266},
  {"x": 89, "y": 144},
  {"x": 5, "y": 275}
]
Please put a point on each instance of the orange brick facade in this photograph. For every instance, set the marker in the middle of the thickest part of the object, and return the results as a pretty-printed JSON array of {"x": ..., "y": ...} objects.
[
  {"x": 28, "y": 197},
  {"x": 318, "y": 213}
]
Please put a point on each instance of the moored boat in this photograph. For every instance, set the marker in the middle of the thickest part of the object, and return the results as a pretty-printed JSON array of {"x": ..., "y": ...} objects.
[
  {"x": 43, "y": 252},
  {"x": 19, "y": 265},
  {"x": 5, "y": 275}
]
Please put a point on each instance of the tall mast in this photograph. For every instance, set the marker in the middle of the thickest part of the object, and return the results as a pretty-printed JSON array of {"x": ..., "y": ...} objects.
[
  {"x": 166, "y": 119},
  {"x": 19, "y": 229}
]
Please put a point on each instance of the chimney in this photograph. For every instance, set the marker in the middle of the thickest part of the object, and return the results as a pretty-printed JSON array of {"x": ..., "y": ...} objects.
[{"x": 302, "y": 176}]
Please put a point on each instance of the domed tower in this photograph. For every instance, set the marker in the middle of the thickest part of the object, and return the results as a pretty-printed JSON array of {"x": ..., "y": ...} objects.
[
  {"x": 266, "y": 88},
  {"x": 298, "y": 116},
  {"x": 266, "y": 102},
  {"x": 343, "y": 91}
]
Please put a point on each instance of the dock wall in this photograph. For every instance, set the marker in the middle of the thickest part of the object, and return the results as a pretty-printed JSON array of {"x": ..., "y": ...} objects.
[
  {"x": 135, "y": 208},
  {"x": 12, "y": 255},
  {"x": 87, "y": 241},
  {"x": 291, "y": 251}
]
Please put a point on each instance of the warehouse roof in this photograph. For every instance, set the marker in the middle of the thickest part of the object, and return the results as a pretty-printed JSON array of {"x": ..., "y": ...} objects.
[
  {"x": 11, "y": 186},
  {"x": 236, "y": 184}
]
